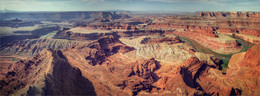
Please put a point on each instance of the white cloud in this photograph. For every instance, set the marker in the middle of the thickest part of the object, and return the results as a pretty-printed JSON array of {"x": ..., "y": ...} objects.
[{"x": 212, "y": 1}]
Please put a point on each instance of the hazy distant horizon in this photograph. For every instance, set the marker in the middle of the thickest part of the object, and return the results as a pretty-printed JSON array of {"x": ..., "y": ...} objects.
[
  {"x": 131, "y": 5},
  {"x": 139, "y": 11}
]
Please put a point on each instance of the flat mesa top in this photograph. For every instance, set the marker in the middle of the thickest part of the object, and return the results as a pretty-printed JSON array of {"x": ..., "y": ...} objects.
[{"x": 87, "y": 30}]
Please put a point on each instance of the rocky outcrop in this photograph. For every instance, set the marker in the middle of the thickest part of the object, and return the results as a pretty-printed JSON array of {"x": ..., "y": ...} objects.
[
  {"x": 218, "y": 22},
  {"x": 223, "y": 44},
  {"x": 48, "y": 73},
  {"x": 115, "y": 73},
  {"x": 247, "y": 27},
  {"x": 142, "y": 62},
  {"x": 198, "y": 77},
  {"x": 166, "y": 51},
  {"x": 139, "y": 33},
  {"x": 97, "y": 51},
  {"x": 110, "y": 26},
  {"x": 230, "y": 14},
  {"x": 191, "y": 71},
  {"x": 187, "y": 76},
  {"x": 253, "y": 32},
  {"x": 246, "y": 60},
  {"x": 241, "y": 78},
  {"x": 35, "y": 46},
  {"x": 251, "y": 39},
  {"x": 141, "y": 77},
  {"x": 80, "y": 36},
  {"x": 34, "y": 34},
  {"x": 196, "y": 28},
  {"x": 156, "y": 40},
  {"x": 105, "y": 47},
  {"x": 5, "y": 40}
]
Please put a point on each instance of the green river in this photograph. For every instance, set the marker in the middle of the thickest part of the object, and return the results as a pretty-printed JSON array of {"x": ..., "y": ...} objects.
[{"x": 223, "y": 57}]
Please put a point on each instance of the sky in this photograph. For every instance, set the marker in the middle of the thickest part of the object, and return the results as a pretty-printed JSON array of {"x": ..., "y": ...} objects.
[{"x": 131, "y": 5}]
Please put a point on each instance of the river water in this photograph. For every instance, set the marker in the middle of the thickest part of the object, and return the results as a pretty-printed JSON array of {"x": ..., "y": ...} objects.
[{"x": 203, "y": 49}]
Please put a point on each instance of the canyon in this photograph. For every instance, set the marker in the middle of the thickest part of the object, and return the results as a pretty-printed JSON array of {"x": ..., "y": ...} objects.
[{"x": 123, "y": 53}]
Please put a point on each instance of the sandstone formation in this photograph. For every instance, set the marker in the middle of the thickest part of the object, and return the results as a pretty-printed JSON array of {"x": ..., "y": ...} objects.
[
  {"x": 223, "y": 44},
  {"x": 105, "y": 67},
  {"x": 156, "y": 40},
  {"x": 141, "y": 77},
  {"x": 48, "y": 73},
  {"x": 165, "y": 51},
  {"x": 244, "y": 23},
  {"x": 34, "y": 34},
  {"x": 111, "y": 26},
  {"x": 105, "y": 47},
  {"x": 201, "y": 78},
  {"x": 92, "y": 34},
  {"x": 251, "y": 39},
  {"x": 208, "y": 31},
  {"x": 231, "y": 14},
  {"x": 35, "y": 46},
  {"x": 113, "y": 54}
]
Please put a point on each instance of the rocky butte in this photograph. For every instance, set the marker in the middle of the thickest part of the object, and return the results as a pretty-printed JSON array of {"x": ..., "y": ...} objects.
[{"x": 118, "y": 53}]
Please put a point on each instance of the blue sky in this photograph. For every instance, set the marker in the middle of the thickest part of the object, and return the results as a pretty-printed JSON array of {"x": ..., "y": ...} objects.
[{"x": 131, "y": 5}]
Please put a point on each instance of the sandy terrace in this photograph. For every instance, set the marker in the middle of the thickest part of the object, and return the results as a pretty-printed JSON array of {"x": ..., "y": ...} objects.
[
  {"x": 86, "y": 30},
  {"x": 249, "y": 36},
  {"x": 222, "y": 38}
]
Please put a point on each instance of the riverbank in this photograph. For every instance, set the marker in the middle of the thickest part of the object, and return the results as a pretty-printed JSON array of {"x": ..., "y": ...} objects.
[{"x": 224, "y": 58}]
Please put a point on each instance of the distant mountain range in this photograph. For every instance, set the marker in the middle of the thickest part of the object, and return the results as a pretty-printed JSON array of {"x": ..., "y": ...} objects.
[
  {"x": 69, "y": 15},
  {"x": 6, "y": 11}
]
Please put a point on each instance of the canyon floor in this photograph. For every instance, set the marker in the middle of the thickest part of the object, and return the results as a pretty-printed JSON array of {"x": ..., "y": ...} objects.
[{"x": 123, "y": 53}]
